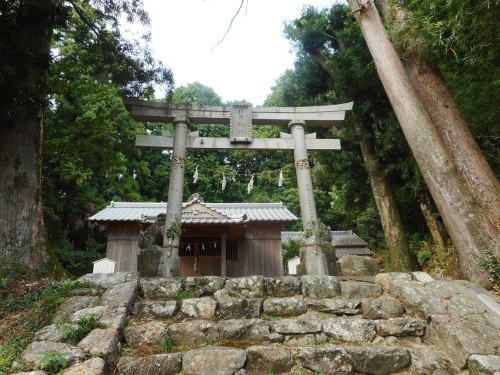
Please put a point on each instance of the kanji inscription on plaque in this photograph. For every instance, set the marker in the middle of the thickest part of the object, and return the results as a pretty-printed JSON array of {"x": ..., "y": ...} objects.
[{"x": 241, "y": 123}]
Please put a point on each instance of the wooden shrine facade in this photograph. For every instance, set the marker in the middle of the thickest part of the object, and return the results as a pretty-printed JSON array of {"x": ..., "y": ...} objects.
[{"x": 221, "y": 239}]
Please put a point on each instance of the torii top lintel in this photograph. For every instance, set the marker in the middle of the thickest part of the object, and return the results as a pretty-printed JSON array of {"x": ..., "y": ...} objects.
[{"x": 327, "y": 115}]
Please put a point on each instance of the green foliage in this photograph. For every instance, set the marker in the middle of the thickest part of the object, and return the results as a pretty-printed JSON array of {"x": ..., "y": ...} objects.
[
  {"x": 169, "y": 344},
  {"x": 25, "y": 307},
  {"x": 192, "y": 293},
  {"x": 291, "y": 249},
  {"x": 76, "y": 331},
  {"x": 75, "y": 261},
  {"x": 492, "y": 265},
  {"x": 54, "y": 362}
]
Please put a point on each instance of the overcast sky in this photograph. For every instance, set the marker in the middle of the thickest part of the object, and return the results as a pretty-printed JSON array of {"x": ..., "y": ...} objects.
[{"x": 246, "y": 63}]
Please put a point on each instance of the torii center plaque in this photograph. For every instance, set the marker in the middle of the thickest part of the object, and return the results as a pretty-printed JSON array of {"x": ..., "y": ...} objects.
[{"x": 240, "y": 118}]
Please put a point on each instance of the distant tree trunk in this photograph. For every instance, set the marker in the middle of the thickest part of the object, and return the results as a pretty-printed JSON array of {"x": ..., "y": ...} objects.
[
  {"x": 470, "y": 229},
  {"x": 394, "y": 230},
  {"x": 21, "y": 224},
  {"x": 432, "y": 225}
]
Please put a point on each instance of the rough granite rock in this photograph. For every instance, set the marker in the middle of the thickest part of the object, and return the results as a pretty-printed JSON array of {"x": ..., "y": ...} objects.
[
  {"x": 121, "y": 295},
  {"x": 355, "y": 265},
  {"x": 430, "y": 362},
  {"x": 146, "y": 334},
  {"x": 381, "y": 308},
  {"x": 251, "y": 331},
  {"x": 356, "y": 289},
  {"x": 379, "y": 360},
  {"x": 350, "y": 330},
  {"x": 161, "y": 288},
  {"x": 160, "y": 364},
  {"x": 385, "y": 279},
  {"x": 109, "y": 279},
  {"x": 319, "y": 287},
  {"x": 484, "y": 364},
  {"x": 246, "y": 287},
  {"x": 199, "y": 308},
  {"x": 93, "y": 366},
  {"x": 336, "y": 306},
  {"x": 400, "y": 327},
  {"x": 194, "y": 332},
  {"x": 286, "y": 286},
  {"x": 212, "y": 360},
  {"x": 265, "y": 359},
  {"x": 284, "y": 307},
  {"x": 35, "y": 352},
  {"x": 323, "y": 359},
  {"x": 294, "y": 326},
  {"x": 156, "y": 309},
  {"x": 242, "y": 308},
  {"x": 103, "y": 343},
  {"x": 203, "y": 285}
]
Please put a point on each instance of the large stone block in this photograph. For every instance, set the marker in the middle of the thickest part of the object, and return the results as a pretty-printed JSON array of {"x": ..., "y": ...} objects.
[
  {"x": 286, "y": 286},
  {"x": 382, "y": 308},
  {"x": 336, "y": 306},
  {"x": 160, "y": 364},
  {"x": 355, "y": 265},
  {"x": 356, "y": 289},
  {"x": 161, "y": 288},
  {"x": 199, "y": 308},
  {"x": 156, "y": 309},
  {"x": 283, "y": 307},
  {"x": 251, "y": 331},
  {"x": 246, "y": 287},
  {"x": 324, "y": 360},
  {"x": 194, "y": 332},
  {"x": 350, "y": 330},
  {"x": 265, "y": 360},
  {"x": 243, "y": 308},
  {"x": 400, "y": 327},
  {"x": 212, "y": 360},
  {"x": 145, "y": 334},
  {"x": 379, "y": 360},
  {"x": 319, "y": 287}
]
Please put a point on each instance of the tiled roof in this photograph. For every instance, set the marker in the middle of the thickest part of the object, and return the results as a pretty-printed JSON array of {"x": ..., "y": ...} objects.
[
  {"x": 346, "y": 242},
  {"x": 228, "y": 212}
]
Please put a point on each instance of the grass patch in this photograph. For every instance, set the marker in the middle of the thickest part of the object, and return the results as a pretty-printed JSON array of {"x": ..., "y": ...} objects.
[{"x": 27, "y": 304}]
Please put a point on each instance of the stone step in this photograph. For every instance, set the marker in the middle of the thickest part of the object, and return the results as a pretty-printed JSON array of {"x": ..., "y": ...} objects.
[{"x": 392, "y": 323}]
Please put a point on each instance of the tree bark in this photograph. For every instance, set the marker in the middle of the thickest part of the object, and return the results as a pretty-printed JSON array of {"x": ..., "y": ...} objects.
[
  {"x": 470, "y": 229},
  {"x": 455, "y": 133},
  {"x": 394, "y": 230},
  {"x": 22, "y": 235},
  {"x": 436, "y": 98}
]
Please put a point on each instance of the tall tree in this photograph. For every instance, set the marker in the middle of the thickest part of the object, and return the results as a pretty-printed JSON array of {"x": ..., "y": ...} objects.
[
  {"x": 27, "y": 29},
  {"x": 470, "y": 229},
  {"x": 332, "y": 41}
]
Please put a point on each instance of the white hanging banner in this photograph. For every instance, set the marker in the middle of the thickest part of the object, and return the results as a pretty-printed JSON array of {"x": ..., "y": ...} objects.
[
  {"x": 223, "y": 182},
  {"x": 195, "y": 176},
  {"x": 280, "y": 182},
  {"x": 250, "y": 185}
]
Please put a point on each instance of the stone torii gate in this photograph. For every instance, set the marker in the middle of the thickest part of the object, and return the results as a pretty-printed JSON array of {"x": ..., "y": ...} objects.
[{"x": 240, "y": 118}]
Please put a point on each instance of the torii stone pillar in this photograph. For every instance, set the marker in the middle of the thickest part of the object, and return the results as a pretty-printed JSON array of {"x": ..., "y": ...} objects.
[
  {"x": 170, "y": 263},
  {"x": 313, "y": 258}
]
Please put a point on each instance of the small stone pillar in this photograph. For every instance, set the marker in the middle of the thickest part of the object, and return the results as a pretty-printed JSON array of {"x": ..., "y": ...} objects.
[
  {"x": 311, "y": 253},
  {"x": 170, "y": 262}
]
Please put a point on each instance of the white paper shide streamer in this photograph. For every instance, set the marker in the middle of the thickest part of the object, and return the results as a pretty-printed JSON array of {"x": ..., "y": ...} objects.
[
  {"x": 280, "y": 181},
  {"x": 195, "y": 176},
  {"x": 223, "y": 182},
  {"x": 250, "y": 185}
]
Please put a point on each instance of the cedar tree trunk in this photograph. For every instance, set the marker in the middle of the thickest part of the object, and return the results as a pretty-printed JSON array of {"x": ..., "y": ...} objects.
[{"x": 470, "y": 229}]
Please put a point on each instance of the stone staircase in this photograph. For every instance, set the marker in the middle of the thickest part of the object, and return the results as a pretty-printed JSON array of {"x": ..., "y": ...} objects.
[{"x": 385, "y": 324}]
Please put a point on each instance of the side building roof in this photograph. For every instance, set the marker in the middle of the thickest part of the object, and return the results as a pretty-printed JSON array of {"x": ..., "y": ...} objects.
[{"x": 345, "y": 242}]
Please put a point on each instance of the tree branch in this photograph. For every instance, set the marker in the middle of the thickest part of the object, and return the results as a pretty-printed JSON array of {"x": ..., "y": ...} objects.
[{"x": 230, "y": 24}]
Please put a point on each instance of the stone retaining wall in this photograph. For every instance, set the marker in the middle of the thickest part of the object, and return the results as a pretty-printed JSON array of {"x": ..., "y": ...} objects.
[{"x": 390, "y": 323}]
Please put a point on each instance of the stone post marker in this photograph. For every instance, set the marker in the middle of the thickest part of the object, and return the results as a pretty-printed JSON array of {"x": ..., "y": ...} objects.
[{"x": 240, "y": 118}]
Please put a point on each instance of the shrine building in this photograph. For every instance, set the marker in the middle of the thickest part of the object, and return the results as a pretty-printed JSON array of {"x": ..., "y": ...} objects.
[{"x": 222, "y": 239}]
